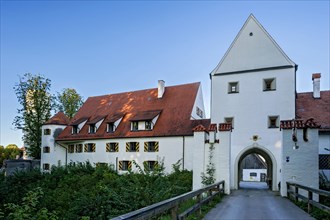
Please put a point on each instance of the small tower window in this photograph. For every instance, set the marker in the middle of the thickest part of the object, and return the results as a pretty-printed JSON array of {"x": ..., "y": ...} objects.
[
  {"x": 269, "y": 84},
  {"x": 46, "y": 149},
  {"x": 233, "y": 87},
  {"x": 47, "y": 131},
  {"x": 273, "y": 122}
]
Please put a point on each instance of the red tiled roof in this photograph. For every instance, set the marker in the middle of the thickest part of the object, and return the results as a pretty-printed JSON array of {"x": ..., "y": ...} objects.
[
  {"x": 213, "y": 127},
  {"x": 58, "y": 119},
  {"x": 199, "y": 128},
  {"x": 319, "y": 109},
  {"x": 289, "y": 124},
  {"x": 145, "y": 115},
  {"x": 225, "y": 127},
  {"x": 174, "y": 119},
  {"x": 316, "y": 75}
]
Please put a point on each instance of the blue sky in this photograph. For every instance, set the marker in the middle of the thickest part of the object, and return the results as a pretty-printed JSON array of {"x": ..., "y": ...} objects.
[{"x": 104, "y": 47}]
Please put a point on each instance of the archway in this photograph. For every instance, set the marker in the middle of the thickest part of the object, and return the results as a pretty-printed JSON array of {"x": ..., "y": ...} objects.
[{"x": 269, "y": 161}]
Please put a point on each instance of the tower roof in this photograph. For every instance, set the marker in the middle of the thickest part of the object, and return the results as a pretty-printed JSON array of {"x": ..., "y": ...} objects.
[{"x": 252, "y": 49}]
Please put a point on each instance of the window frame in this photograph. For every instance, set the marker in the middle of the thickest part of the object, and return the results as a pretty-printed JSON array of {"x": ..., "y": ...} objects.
[
  {"x": 272, "y": 84},
  {"x": 47, "y": 131},
  {"x": 134, "y": 126},
  {"x": 232, "y": 85},
  {"x": 92, "y": 129},
  {"x": 112, "y": 126},
  {"x": 112, "y": 147},
  {"x": 71, "y": 148},
  {"x": 75, "y": 129},
  {"x": 230, "y": 120},
  {"x": 79, "y": 148},
  {"x": 46, "y": 149},
  {"x": 46, "y": 166},
  {"x": 90, "y": 147},
  {"x": 271, "y": 120}
]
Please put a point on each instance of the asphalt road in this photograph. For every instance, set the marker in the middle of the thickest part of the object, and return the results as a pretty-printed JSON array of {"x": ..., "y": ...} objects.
[{"x": 256, "y": 203}]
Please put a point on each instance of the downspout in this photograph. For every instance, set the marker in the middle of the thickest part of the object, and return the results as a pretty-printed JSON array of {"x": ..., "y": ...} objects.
[
  {"x": 183, "y": 149},
  {"x": 66, "y": 152}
]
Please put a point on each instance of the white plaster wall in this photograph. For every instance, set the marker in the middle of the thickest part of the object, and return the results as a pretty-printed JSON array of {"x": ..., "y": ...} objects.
[
  {"x": 247, "y": 177},
  {"x": 199, "y": 158},
  {"x": 223, "y": 159},
  {"x": 170, "y": 149},
  {"x": 251, "y": 108},
  {"x": 324, "y": 142},
  {"x": 302, "y": 166},
  {"x": 57, "y": 152},
  {"x": 199, "y": 102}
]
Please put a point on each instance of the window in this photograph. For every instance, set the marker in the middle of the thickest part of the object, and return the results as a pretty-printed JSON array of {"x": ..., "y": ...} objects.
[
  {"x": 324, "y": 161},
  {"x": 132, "y": 146},
  {"x": 150, "y": 165},
  {"x": 151, "y": 146},
  {"x": 199, "y": 112},
  {"x": 71, "y": 148},
  {"x": 92, "y": 129},
  {"x": 90, "y": 147},
  {"x": 253, "y": 174},
  {"x": 125, "y": 165},
  {"x": 45, "y": 166},
  {"x": 273, "y": 122},
  {"x": 110, "y": 127},
  {"x": 79, "y": 148},
  {"x": 269, "y": 84},
  {"x": 74, "y": 129},
  {"x": 47, "y": 131},
  {"x": 233, "y": 87},
  {"x": 135, "y": 126},
  {"x": 230, "y": 120},
  {"x": 46, "y": 149},
  {"x": 148, "y": 125},
  {"x": 112, "y": 147}
]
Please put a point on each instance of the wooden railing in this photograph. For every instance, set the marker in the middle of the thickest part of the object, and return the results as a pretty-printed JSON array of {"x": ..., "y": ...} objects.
[
  {"x": 293, "y": 191},
  {"x": 201, "y": 195}
]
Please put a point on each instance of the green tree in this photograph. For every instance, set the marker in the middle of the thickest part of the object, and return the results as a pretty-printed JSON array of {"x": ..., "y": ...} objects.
[
  {"x": 33, "y": 95},
  {"x": 10, "y": 152},
  {"x": 69, "y": 102}
]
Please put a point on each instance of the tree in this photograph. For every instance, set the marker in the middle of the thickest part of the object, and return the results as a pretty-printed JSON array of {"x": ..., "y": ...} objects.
[
  {"x": 10, "y": 152},
  {"x": 32, "y": 93},
  {"x": 69, "y": 102}
]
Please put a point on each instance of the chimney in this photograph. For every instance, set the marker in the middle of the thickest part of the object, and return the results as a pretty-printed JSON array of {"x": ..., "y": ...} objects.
[
  {"x": 161, "y": 88},
  {"x": 316, "y": 85}
]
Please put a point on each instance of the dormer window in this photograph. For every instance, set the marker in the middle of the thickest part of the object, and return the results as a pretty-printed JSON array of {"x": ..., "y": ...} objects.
[
  {"x": 74, "y": 129},
  {"x": 135, "y": 126},
  {"x": 148, "y": 125},
  {"x": 92, "y": 129},
  {"x": 111, "y": 127}
]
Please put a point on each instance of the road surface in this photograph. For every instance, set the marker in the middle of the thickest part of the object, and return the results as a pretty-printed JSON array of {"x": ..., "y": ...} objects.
[{"x": 254, "y": 203}]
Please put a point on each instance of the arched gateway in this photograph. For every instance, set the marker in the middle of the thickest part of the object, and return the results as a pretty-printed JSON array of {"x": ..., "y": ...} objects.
[{"x": 269, "y": 160}]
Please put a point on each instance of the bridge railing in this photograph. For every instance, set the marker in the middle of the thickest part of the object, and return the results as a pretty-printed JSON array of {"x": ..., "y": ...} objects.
[
  {"x": 202, "y": 196},
  {"x": 294, "y": 190}
]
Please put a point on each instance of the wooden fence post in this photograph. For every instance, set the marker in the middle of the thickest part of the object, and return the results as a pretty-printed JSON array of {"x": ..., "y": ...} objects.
[
  {"x": 174, "y": 212},
  {"x": 310, "y": 198}
]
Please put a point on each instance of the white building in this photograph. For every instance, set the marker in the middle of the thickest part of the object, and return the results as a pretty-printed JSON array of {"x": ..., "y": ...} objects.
[{"x": 146, "y": 126}]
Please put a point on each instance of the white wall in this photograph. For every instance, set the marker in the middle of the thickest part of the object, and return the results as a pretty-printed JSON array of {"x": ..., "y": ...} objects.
[
  {"x": 170, "y": 148},
  {"x": 300, "y": 165},
  {"x": 257, "y": 178},
  {"x": 199, "y": 102}
]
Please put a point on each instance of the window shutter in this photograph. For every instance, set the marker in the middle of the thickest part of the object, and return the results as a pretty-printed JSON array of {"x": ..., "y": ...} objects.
[
  {"x": 86, "y": 147},
  {"x": 145, "y": 165},
  {"x": 129, "y": 165},
  {"x": 145, "y": 146},
  {"x": 137, "y": 144},
  {"x": 156, "y": 146},
  {"x": 107, "y": 148},
  {"x": 93, "y": 147},
  {"x": 120, "y": 165},
  {"x": 117, "y": 147},
  {"x": 127, "y": 147},
  {"x": 156, "y": 164}
]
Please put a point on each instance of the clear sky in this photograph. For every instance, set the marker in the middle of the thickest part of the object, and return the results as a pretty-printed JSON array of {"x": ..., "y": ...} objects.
[{"x": 104, "y": 47}]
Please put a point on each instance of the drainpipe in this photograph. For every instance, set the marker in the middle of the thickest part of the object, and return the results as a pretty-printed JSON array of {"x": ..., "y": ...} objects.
[{"x": 183, "y": 149}]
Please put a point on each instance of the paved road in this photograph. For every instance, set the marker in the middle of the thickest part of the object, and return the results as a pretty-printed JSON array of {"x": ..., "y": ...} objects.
[{"x": 256, "y": 203}]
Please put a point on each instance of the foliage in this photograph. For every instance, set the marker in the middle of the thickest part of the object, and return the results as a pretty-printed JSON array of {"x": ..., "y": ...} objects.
[
  {"x": 208, "y": 177},
  {"x": 10, "y": 152},
  {"x": 33, "y": 95},
  {"x": 29, "y": 208},
  {"x": 84, "y": 191},
  {"x": 69, "y": 102}
]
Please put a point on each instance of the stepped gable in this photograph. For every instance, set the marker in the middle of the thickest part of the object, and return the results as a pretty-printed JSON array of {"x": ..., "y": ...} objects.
[
  {"x": 317, "y": 108},
  {"x": 58, "y": 119},
  {"x": 173, "y": 109}
]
